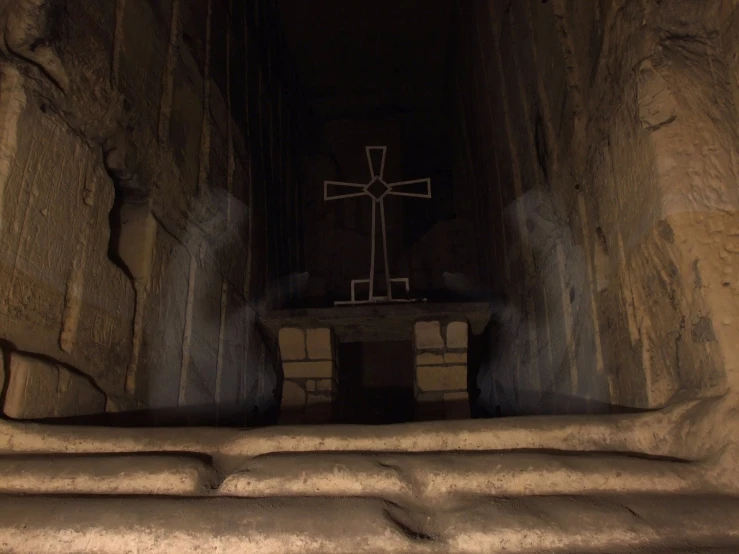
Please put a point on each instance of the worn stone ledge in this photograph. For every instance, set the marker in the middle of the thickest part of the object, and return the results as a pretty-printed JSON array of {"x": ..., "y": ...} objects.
[
  {"x": 690, "y": 431},
  {"x": 551, "y": 524},
  {"x": 113, "y": 475},
  {"x": 431, "y": 478},
  {"x": 415, "y": 478}
]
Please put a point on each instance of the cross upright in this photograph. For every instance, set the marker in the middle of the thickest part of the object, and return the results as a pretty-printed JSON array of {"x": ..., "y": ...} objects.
[{"x": 377, "y": 189}]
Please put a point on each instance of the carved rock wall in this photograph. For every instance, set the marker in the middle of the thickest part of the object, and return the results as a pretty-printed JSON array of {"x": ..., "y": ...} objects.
[
  {"x": 125, "y": 192},
  {"x": 606, "y": 140}
]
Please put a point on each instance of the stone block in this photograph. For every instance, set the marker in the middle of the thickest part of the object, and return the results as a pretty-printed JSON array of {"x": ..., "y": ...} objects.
[
  {"x": 442, "y": 378},
  {"x": 428, "y": 358},
  {"x": 455, "y": 358},
  {"x": 308, "y": 370},
  {"x": 318, "y": 399},
  {"x": 292, "y": 343},
  {"x": 293, "y": 396},
  {"x": 456, "y": 334},
  {"x": 326, "y": 385},
  {"x": 427, "y": 335},
  {"x": 310, "y": 385},
  {"x": 38, "y": 389},
  {"x": 319, "y": 344}
]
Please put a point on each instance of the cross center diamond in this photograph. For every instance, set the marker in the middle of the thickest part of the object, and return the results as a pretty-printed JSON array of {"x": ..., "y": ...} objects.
[{"x": 377, "y": 188}]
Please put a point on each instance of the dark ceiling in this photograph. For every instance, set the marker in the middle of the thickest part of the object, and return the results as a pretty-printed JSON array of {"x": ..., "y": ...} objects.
[{"x": 361, "y": 58}]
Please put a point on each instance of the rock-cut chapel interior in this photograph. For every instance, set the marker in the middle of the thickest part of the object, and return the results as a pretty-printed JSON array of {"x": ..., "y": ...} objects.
[{"x": 425, "y": 253}]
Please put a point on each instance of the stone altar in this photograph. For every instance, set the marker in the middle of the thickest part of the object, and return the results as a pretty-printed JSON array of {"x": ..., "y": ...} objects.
[{"x": 308, "y": 338}]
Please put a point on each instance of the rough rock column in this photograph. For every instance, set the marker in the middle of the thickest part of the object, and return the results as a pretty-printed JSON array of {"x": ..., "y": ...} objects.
[
  {"x": 441, "y": 370},
  {"x": 310, "y": 374}
]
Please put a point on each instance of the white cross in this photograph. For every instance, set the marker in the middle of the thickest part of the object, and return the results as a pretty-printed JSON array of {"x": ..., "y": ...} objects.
[{"x": 377, "y": 189}]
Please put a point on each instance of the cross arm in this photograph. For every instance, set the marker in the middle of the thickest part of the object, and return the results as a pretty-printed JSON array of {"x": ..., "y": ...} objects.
[
  {"x": 411, "y": 188},
  {"x": 349, "y": 190}
]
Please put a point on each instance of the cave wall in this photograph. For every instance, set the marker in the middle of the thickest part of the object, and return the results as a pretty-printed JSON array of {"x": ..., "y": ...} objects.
[
  {"x": 133, "y": 225},
  {"x": 604, "y": 139}
]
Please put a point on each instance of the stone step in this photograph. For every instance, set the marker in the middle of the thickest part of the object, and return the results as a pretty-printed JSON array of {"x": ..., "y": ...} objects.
[
  {"x": 420, "y": 479},
  {"x": 556, "y": 524},
  {"x": 106, "y": 475},
  {"x": 431, "y": 478},
  {"x": 653, "y": 433},
  {"x": 559, "y": 484}
]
